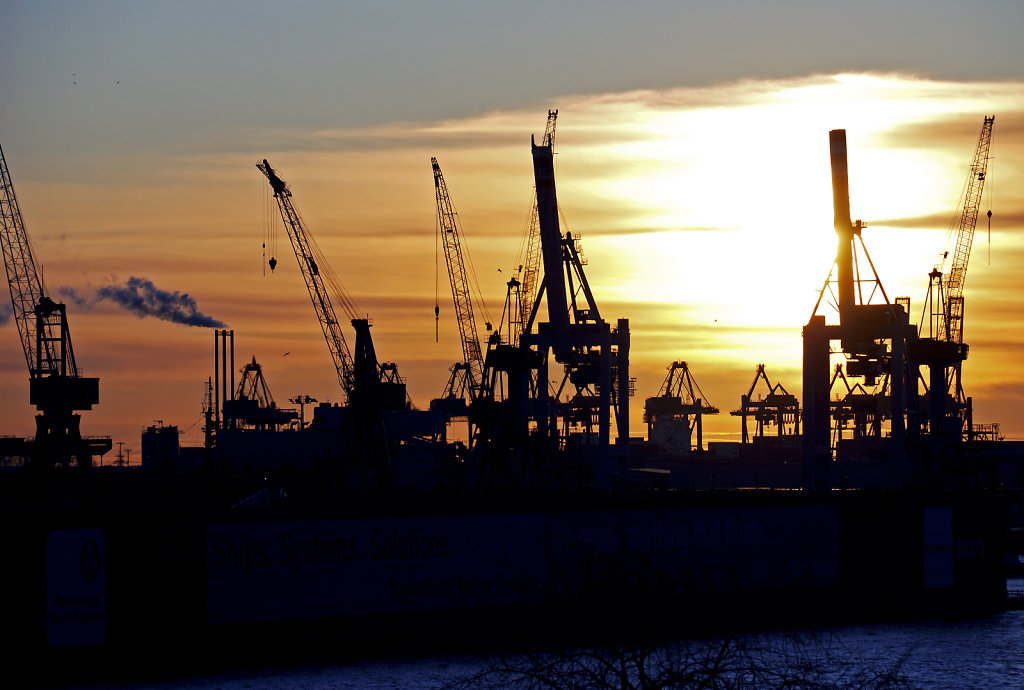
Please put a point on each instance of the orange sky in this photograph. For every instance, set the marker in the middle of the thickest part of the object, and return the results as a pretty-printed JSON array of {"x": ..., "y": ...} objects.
[{"x": 705, "y": 215}]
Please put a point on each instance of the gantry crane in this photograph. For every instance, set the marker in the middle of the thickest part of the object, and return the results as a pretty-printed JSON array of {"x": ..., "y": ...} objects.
[
  {"x": 56, "y": 387},
  {"x": 777, "y": 407},
  {"x": 593, "y": 352},
  {"x": 668, "y": 414},
  {"x": 472, "y": 369},
  {"x": 314, "y": 266},
  {"x": 253, "y": 406},
  {"x": 873, "y": 333}
]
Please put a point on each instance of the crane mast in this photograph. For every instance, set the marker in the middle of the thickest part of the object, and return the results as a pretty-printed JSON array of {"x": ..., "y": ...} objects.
[
  {"x": 305, "y": 253},
  {"x": 471, "y": 351},
  {"x": 966, "y": 219}
]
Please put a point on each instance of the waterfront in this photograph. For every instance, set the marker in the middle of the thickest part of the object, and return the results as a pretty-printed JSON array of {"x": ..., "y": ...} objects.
[{"x": 985, "y": 652}]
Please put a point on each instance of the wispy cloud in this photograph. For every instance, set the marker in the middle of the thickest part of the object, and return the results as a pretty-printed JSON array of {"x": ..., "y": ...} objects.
[{"x": 141, "y": 297}]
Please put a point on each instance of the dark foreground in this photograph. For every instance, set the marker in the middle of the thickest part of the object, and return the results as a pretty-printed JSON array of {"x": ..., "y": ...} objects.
[{"x": 120, "y": 578}]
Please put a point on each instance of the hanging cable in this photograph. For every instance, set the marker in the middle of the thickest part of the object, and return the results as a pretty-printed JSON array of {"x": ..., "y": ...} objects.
[
  {"x": 437, "y": 295},
  {"x": 990, "y": 192},
  {"x": 263, "y": 228}
]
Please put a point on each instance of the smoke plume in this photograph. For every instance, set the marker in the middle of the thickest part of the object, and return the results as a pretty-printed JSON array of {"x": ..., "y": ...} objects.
[{"x": 142, "y": 298}]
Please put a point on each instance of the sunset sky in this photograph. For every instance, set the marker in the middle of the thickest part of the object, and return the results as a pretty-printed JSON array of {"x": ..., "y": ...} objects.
[{"x": 692, "y": 158}]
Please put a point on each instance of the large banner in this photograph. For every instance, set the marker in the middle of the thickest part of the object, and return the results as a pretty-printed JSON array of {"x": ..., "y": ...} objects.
[
  {"x": 76, "y": 606},
  {"x": 273, "y": 571},
  {"x": 306, "y": 569}
]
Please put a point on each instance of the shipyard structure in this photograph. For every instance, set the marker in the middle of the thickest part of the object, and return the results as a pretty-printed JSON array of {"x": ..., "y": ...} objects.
[{"x": 516, "y": 506}]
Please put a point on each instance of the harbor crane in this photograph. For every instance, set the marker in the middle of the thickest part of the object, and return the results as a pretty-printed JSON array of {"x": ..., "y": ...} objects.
[
  {"x": 593, "y": 352},
  {"x": 314, "y": 267},
  {"x": 966, "y": 219},
  {"x": 367, "y": 383},
  {"x": 372, "y": 388},
  {"x": 469, "y": 377},
  {"x": 668, "y": 414},
  {"x": 941, "y": 345},
  {"x": 778, "y": 408},
  {"x": 873, "y": 334},
  {"x": 56, "y": 386}
]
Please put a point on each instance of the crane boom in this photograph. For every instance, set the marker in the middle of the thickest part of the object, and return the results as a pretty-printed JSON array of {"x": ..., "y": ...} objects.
[
  {"x": 305, "y": 253},
  {"x": 966, "y": 219},
  {"x": 531, "y": 268},
  {"x": 471, "y": 350}
]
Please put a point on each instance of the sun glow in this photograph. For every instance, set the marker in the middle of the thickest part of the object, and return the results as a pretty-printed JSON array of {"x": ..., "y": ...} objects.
[{"x": 705, "y": 216}]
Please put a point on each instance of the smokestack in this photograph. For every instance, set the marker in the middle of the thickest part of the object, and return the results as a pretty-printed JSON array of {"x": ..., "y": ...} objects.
[
  {"x": 216, "y": 377},
  {"x": 224, "y": 365},
  {"x": 843, "y": 225},
  {"x": 232, "y": 389}
]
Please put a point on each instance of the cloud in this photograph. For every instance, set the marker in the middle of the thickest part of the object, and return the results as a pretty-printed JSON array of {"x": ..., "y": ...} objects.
[
  {"x": 6, "y": 312},
  {"x": 142, "y": 298},
  {"x": 1013, "y": 218}
]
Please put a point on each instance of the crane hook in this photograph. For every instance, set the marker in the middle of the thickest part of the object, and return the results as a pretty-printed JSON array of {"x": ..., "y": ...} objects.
[{"x": 272, "y": 263}]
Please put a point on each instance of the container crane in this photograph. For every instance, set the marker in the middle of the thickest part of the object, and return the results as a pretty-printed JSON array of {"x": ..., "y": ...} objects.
[
  {"x": 594, "y": 354},
  {"x": 777, "y": 407},
  {"x": 56, "y": 387},
  {"x": 307, "y": 253},
  {"x": 472, "y": 369},
  {"x": 668, "y": 413}
]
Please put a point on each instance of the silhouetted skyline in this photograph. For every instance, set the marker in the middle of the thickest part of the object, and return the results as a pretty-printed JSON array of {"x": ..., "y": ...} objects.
[{"x": 692, "y": 159}]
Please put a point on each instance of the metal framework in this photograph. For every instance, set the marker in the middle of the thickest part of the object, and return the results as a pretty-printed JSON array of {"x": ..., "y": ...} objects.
[
  {"x": 776, "y": 408},
  {"x": 594, "y": 355},
  {"x": 448, "y": 225},
  {"x": 679, "y": 398},
  {"x": 966, "y": 220},
  {"x": 874, "y": 335},
  {"x": 253, "y": 405},
  {"x": 28, "y": 293},
  {"x": 307, "y": 254},
  {"x": 56, "y": 386}
]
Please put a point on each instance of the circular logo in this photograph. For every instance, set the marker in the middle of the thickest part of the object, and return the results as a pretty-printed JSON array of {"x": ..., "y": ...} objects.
[{"x": 89, "y": 561}]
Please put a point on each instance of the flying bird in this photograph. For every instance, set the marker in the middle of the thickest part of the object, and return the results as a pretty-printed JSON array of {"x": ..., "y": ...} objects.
[{"x": 286, "y": 353}]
